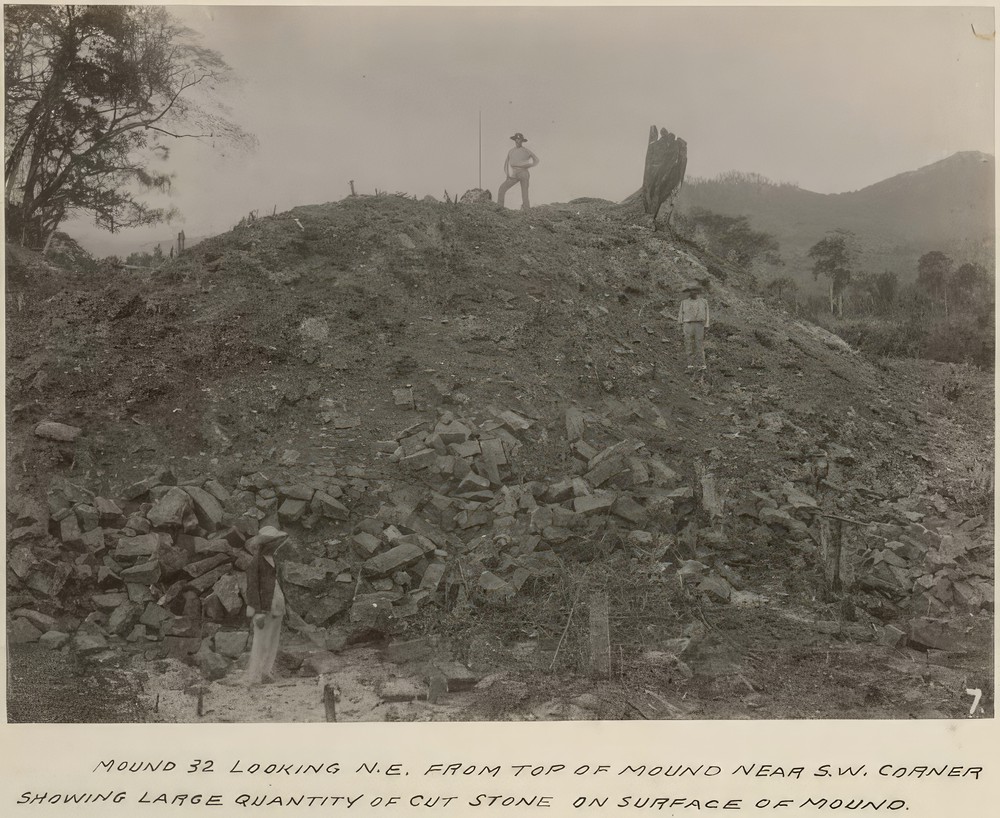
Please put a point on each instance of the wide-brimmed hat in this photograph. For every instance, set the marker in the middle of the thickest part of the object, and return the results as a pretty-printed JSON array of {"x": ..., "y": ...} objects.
[
  {"x": 520, "y": 136},
  {"x": 691, "y": 286}
]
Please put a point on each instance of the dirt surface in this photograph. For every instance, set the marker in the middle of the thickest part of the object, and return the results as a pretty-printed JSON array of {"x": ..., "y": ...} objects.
[{"x": 277, "y": 347}]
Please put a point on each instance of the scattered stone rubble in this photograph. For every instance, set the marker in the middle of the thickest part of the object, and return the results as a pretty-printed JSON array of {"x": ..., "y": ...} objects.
[
  {"x": 162, "y": 567},
  {"x": 930, "y": 564}
]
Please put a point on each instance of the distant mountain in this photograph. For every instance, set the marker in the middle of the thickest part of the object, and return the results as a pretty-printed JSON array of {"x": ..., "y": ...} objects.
[{"x": 947, "y": 206}]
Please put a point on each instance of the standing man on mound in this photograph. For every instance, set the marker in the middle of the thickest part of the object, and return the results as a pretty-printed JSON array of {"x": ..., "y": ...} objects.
[
  {"x": 519, "y": 159},
  {"x": 265, "y": 605}
]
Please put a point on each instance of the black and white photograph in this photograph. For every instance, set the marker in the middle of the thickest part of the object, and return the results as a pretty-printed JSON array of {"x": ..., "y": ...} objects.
[{"x": 499, "y": 364}]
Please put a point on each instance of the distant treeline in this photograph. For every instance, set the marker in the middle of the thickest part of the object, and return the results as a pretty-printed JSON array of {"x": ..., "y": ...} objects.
[
  {"x": 739, "y": 177},
  {"x": 945, "y": 313}
]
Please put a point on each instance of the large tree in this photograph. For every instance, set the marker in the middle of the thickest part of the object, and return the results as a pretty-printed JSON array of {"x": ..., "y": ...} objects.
[
  {"x": 969, "y": 282},
  {"x": 934, "y": 270},
  {"x": 878, "y": 290},
  {"x": 732, "y": 238},
  {"x": 93, "y": 97},
  {"x": 834, "y": 257}
]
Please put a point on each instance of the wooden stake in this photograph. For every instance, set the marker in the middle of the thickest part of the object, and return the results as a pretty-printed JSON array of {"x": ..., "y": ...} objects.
[
  {"x": 572, "y": 610},
  {"x": 352, "y": 188},
  {"x": 330, "y": 701},
  {"x": 600, "y": 636}
]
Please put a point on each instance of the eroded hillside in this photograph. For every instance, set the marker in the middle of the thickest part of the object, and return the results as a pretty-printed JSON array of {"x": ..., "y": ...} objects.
[{"x": 476, "y": 424}]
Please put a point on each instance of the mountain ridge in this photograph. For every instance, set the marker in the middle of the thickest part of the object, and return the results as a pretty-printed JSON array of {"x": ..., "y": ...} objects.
[{"x": 947, "y": 205}]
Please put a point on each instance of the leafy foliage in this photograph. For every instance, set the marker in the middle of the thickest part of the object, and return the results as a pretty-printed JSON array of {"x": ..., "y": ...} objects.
[
  {"x": 781, "y": 288},
  {"x": 833, "y": 257},
  {"x": 878, "y": 292},
  {"x": 934, "y": 273},
  {"x": 732, "y": 238},
  {"x": 93, "y": 96}
]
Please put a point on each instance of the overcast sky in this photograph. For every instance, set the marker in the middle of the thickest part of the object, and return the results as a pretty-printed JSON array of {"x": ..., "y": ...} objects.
[{"x": 832, "y": 99}]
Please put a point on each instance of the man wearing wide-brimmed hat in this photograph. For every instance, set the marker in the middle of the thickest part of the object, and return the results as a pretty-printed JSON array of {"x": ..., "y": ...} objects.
[
  {"x": 265, "y": 604},
  {"x": 519, "y": 159},
  {"x": 693, "y": 318}
]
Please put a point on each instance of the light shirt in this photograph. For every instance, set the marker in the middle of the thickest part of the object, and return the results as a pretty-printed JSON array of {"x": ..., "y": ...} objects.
[
  {"x": 693, "y": 309},
  {"x": 521, "y": 158}
]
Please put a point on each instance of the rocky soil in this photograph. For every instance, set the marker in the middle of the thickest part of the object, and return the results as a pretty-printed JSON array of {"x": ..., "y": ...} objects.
[{"x": 478, "y": 431}]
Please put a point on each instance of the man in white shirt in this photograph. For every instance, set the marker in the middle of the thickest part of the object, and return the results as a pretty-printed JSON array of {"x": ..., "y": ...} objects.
[
  {"x": 519, "y": 159},
  {"x": 693, "y": 318}
]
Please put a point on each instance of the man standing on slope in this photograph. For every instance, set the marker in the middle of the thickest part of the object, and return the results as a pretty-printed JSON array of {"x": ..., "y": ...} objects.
[
  {"x": 693, "y": 317},
  {"x": 519, "y": 159},
  {"x": 265, "y": 605}
]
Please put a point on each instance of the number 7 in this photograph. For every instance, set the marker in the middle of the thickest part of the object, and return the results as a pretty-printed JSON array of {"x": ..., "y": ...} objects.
[{"x": 976, "y": 694}]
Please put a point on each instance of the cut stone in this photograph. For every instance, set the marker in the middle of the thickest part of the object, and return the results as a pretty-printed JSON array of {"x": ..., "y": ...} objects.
[
  {"x": 925, "y": 633},
  {"x": 21, "y": 632},
  {"x": 145, "y": 545},
  {"x": 196, "y": 569},
  {"x": 413, "y": 650},
  {"x": 628, "y": 509},
  {"x": 432, "y": 576},
  {"x": 470, "y": 448},
  {"x": 558, "y": 492},
  {"x": 594, "y": 503},
  {"x": 365, "y": 545},
  {"x": 421, "y": 459},
  {"x": 716, "y": 588},
  {"x": 136, "y": 490},
  {"x": 50, "y": 430},
  {"x": 170, "y": 509},
  {"x": 69, "y": 531},
  {"x": 373, "y": 611},
  {"x": 217, "y": 490},
  {"x": 206, "y": 508},
  {"x": 208, "y": 579},
  {"x": 296, "y": 492},
  {"x": 892, "y": 637},
  {"x": 89, "y": 639},
  {"x": 231, "y": 644},
  {"x": 457, "y": 676},
  {"x": 640, "y": 474},
  {"x": 43, "y": 622},
  {"x": 171, "y": 557},
  {"x": 227, "y": 589},
  {"x": 110, "y": 601},
  {"x": 53, "y": 640},
  {"x": 291, "y": 510},
  {"x": 213, "y": 666},
  {"x": 640, "y": 538},
  {"x": 326, "y": 506},
  {"x": 154, "y": 616},
  {"x": 87, "y": 517},
  {"x": 305, "y": 576},
  {"x": 93, "y": 540},
  {"x": 146, "y": 573},
  {"x": 605, "y": 470},
  {"x": 453, "y": 433},
  {"x": 661, "y": 473},
  {"x": 493, "y": 450},
  {"x": 395, "y": 559},
  {"x": 124, "y": 618},
  {"x": 139, "y": 593},
  {"x": 401, "y": 690},
  {"x": 495, "y": 588}
]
